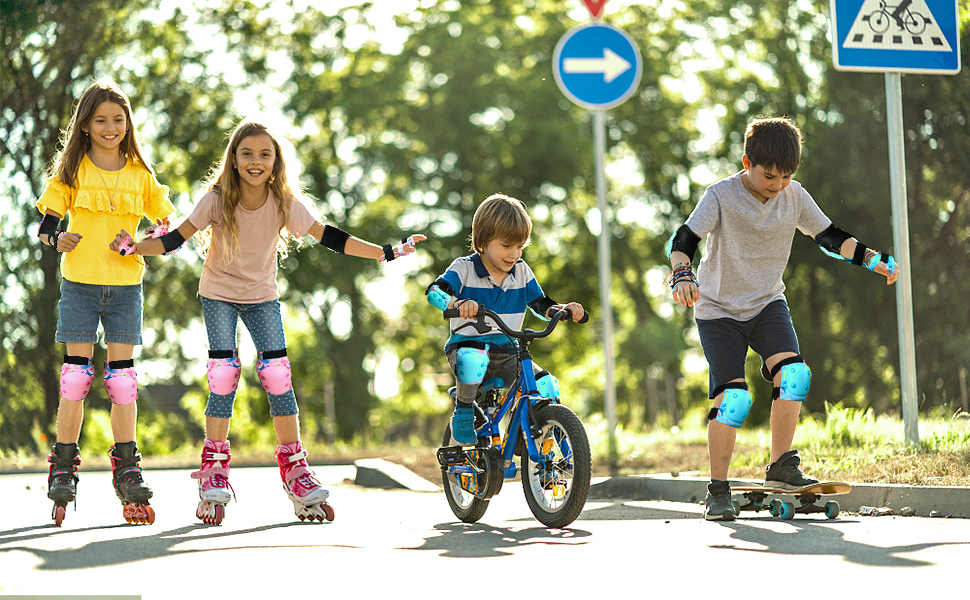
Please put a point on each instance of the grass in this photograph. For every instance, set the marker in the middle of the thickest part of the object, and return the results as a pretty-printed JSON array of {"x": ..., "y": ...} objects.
[{"x": 846, "y": 445}]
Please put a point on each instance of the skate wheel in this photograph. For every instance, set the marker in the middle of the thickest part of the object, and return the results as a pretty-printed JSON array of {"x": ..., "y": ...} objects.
[
  {"x": 58, "y": 514},
  {"x": 149, "y": 513},
  {"x": 327, "y": 512},
  {"x": 220, "y": 514}
]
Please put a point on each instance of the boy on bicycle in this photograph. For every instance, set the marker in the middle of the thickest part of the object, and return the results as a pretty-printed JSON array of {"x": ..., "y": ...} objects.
[
  {"x": 738, "y": 296},
  {"x": 497, "y": 278}
]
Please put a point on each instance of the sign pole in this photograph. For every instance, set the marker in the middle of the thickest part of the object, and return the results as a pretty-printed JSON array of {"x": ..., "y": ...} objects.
[
  {"x": 904, "y": 290},
  {"x": 605, "y": 276}
]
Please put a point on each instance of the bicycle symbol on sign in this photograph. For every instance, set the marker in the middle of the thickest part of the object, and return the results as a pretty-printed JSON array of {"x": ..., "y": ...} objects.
[{"x": 913, "y": 22}]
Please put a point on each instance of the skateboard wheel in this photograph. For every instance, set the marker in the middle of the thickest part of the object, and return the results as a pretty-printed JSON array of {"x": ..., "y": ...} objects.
[
  {"x": 737, "y": 507},
  {"x": 786, "y": 511},
  {"x": 774, "y": 507},
  {"x": 832, "y": 509}
]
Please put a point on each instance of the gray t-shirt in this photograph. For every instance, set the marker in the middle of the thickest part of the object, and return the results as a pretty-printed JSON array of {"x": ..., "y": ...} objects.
[{"x": 748, "y": 245}]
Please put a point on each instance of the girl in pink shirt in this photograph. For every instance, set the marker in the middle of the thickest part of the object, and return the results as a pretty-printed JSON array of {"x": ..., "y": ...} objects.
[{"x": 246, "y": 216}]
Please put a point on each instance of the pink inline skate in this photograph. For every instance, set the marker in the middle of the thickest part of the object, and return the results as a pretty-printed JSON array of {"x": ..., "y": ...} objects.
[
  {"x": 308, "y": 497},
  {"x": 214, "y": 487}
]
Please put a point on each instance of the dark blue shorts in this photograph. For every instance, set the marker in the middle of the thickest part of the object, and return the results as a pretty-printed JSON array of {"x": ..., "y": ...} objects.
[{"x": 726, "y": 341}]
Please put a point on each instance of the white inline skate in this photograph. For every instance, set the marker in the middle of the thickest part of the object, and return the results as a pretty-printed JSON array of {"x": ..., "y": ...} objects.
[
  {"x": 308, "y": 497},
  {"x": 214, "y": 488}
]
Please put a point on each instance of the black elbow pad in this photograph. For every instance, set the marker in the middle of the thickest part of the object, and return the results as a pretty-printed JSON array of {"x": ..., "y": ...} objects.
[
  {"x": 684, "y": 240},
  {"x": 831, "y": 239},
  {"x": 334, "y": 238}
]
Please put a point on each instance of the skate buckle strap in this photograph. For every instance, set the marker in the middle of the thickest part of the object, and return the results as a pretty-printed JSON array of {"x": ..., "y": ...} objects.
[
  {"x": 298, "y": 456},
  {"x": 206, "y": 472}
]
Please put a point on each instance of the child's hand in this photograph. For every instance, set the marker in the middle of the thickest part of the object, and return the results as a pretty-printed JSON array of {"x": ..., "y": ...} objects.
[
  {"x": 123, "y": 244},
  {"x": 406, "y": 246},
  {"x": 575, "y": 309},
  {"x": 883, "y": 269},
  {"x": 686, "y": 293},
  {"x": 67, "y": 241},
  {"x": 467, "y": 309}
]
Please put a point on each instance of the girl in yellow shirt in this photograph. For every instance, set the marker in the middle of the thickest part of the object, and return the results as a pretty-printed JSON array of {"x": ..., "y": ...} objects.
[{"x": 99, "y": 177}]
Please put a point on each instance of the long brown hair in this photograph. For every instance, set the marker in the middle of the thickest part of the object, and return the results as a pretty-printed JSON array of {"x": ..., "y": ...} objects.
[
  {"x": 74, "y": 144},
  {"x": 224, "y": 180}
]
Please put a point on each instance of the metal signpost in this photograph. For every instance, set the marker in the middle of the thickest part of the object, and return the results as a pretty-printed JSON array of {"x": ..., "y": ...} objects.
[
  {"x": 912, "y": 36},
  {"x": 598, "y": 66}
]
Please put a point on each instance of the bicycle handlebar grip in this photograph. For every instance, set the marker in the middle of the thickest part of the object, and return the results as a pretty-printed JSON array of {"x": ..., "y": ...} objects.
[
  {"x": 451, "y": 313},
  {"x": 569, "y": 316}
]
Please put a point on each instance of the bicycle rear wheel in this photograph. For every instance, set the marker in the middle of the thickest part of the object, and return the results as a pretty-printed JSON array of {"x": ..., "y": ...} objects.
[
  {"x": 464, "y": 504},
  {"x": 556, "y": 488}
]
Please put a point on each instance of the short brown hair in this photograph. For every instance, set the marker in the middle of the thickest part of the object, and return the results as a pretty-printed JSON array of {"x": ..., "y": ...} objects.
[
  {"x": 774, "y": 143},
  {"x": 500, "y": 217}
]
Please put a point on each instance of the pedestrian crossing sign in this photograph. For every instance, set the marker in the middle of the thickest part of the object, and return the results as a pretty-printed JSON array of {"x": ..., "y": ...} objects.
[{"x": 905, "y": 36}]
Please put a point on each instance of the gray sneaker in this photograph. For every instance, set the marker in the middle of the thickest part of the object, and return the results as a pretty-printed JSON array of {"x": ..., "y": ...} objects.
[
  {"x": 784, "y": 473},
  {"x": 718, "y": 503}
]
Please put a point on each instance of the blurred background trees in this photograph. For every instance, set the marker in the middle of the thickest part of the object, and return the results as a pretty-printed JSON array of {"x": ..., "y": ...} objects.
[{"x": 404, "y": 116}]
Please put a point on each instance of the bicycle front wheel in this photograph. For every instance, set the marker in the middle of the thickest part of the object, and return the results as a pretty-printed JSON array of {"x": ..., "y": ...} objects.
[
  {"x": 557, "y": 486},
  {"x": 463, "y": 503}
]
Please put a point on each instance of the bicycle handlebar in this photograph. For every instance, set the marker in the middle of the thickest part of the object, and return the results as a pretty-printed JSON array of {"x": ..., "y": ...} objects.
[{"x": 481, "y": 327}]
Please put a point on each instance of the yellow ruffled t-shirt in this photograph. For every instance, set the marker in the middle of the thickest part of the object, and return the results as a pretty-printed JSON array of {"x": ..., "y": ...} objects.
[{"x": 102, "y": 204}]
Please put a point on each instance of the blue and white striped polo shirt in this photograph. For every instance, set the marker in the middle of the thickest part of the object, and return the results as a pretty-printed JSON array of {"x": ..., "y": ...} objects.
[{"x": 468, "y": 278}]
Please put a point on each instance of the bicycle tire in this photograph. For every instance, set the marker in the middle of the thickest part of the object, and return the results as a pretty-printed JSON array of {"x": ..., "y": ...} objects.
[
  {"x": 557, "y": 495},
  {"x": 463, "y": 504}
]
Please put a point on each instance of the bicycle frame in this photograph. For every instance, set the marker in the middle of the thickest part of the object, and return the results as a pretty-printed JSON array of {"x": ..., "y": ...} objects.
[{"x": 520, "y": 398}]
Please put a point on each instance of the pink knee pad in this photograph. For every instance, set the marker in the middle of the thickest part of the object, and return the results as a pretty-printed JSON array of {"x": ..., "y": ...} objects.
[
  {"x": 77, "y": 373},
  {"x": 223, "y": 371},
  {"x": 273, "y": 369},
  {"x": 121, "y": 381}
]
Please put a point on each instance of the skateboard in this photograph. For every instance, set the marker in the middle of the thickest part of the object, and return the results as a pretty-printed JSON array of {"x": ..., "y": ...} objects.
[{"x": 807, "y": 497}]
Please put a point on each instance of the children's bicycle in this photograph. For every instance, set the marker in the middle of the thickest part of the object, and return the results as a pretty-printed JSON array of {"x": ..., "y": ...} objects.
[{"x": 547, "y": 436}]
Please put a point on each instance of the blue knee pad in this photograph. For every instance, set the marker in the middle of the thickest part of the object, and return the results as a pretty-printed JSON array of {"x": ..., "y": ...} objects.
[
  {"x": 735, "y": 405},
  {"x": 796, "y": 379},
  {"x": 547, "y": 385},
  {"x": 470, "y": 365}
]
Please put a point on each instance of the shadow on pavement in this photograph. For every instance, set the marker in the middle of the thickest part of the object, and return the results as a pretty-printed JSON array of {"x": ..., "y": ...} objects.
[
  {"x": 128, "y": 550},
  {"x": 479, "y": 540},
  {"x": 824, "y": 538}
]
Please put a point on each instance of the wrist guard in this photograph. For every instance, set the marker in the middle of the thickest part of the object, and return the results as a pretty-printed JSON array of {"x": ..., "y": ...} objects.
[
  {"x": 171, "y": 240},
  {"x": 396, "y": 251}
]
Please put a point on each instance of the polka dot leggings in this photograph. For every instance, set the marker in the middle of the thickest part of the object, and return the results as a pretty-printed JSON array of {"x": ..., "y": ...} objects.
[{"x": 265, "y": 326}]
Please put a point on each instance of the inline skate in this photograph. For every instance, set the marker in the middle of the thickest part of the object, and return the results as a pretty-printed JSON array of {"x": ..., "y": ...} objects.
[
  {"x": 214, "y": 487},
  {"x": 308, "y": 497},
  {"x": 62, "y": 478},
  {"x": 129, "y": 485}
]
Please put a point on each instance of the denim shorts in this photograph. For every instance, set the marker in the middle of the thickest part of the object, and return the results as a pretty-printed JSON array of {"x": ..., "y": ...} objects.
[
  {"x": 726, "y": 341},
  {"x": 83, "y": 305}
]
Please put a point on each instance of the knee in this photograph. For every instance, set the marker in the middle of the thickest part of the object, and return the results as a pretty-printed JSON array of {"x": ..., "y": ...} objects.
[
  {"x": 735, "y": 405},
  {"x": 77, "y": 374},
  {"x": 121, "y": 381},
  {"x": 796, "y": 379},
  {"x": 222, "y": 371},
  {"x": 470, "y": 365},
  {"x": 274, "y": 372}
]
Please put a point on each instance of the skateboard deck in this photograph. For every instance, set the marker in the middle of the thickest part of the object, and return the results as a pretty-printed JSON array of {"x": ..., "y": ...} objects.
[{"x": 807, "y": 497}]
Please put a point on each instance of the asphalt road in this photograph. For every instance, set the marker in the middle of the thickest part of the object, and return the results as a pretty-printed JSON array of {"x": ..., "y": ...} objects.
[{"x": 387, "y": 542}]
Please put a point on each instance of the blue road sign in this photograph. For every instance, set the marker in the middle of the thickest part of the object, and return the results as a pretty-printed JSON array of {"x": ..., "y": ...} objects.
[
  {"x": 597, "y": 65},
  {"x": 905, "y": 36}
]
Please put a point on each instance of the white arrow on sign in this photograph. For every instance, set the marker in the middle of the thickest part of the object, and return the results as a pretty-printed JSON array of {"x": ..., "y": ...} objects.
[{"x": 611, "y": 65}]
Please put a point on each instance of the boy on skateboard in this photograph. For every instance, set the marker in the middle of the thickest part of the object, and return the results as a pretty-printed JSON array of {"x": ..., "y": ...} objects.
[{"x": 749, "y": 220}]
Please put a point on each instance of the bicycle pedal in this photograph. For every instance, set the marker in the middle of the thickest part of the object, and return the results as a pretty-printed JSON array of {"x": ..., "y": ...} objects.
[
  {"x": 463, "y": 470},
  {"x": 452, "y": 456}
]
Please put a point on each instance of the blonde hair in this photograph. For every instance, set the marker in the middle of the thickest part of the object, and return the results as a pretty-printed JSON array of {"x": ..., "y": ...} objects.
[
  {"x": 500, "y": 217},
  {"x": 225, "y": 181},
  {"x": 74, "y": 144}
]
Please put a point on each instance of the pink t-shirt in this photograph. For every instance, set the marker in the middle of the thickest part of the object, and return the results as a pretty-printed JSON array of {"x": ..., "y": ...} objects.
[{"x": 251, "y": 276}]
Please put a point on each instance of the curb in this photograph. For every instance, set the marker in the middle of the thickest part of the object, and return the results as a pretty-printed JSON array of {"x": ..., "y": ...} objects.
[
  {"x": 945, "y": 501},
  {"x": 379, "y": 473}
]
